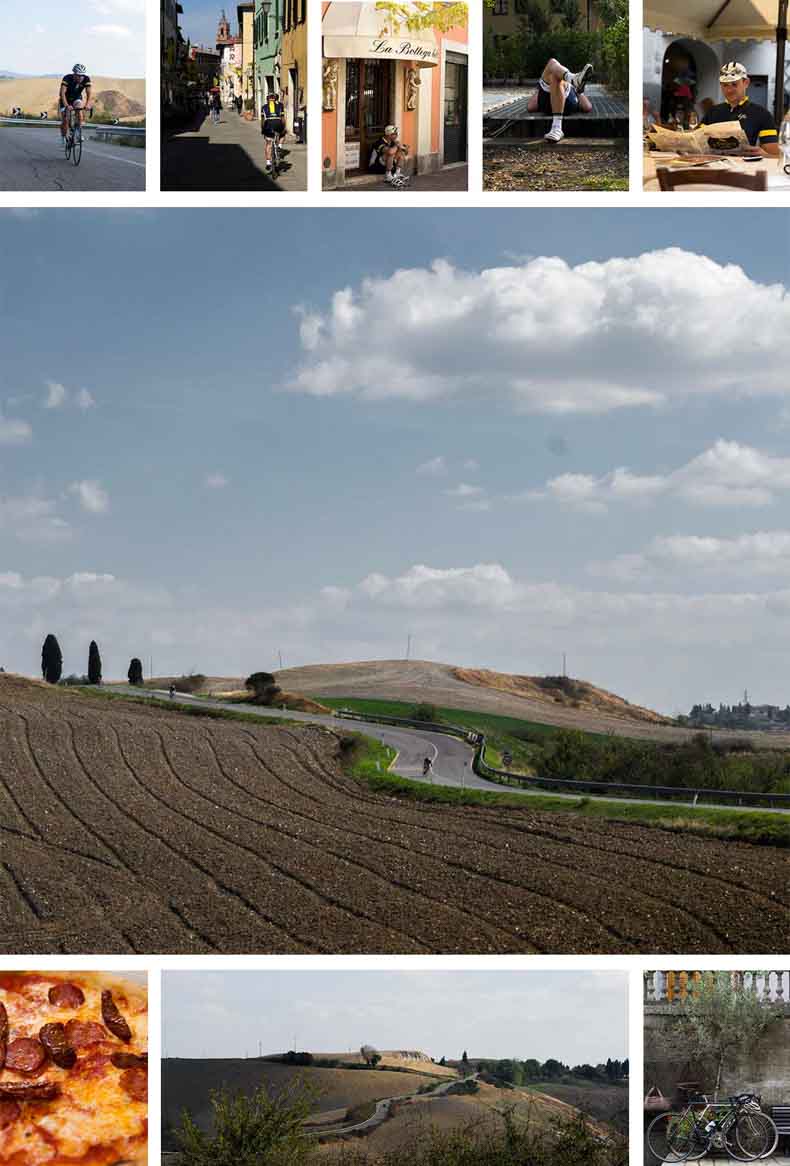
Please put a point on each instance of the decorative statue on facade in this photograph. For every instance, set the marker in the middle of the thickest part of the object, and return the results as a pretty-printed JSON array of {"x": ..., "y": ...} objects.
[
  {"x": 413, "y": 83},
  {"x": 330, "y": 85}
]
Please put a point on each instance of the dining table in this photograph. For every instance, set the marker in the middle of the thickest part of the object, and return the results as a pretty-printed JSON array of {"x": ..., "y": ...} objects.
[{"x": 777, "y": 179}]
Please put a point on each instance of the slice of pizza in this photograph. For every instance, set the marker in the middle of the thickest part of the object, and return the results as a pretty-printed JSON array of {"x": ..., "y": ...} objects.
[{"x": 73, "y": 1070}]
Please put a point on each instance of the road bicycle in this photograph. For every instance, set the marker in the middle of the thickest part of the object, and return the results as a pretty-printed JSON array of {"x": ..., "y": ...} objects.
[
  {"x": 72, "y": 143},
  {"x": 738, "y": 1127},
  {"x": 215, "y": 115},
  {"x": 276, "y": 159}
]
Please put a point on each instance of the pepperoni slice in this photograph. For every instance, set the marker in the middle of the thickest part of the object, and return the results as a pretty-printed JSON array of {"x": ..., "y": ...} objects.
[
  {"x": 53, "y": 1038},
  {"x": 9, "y": 1112},
  {"x": 113, "y": 1019},
  {"x": 135, "y": 1083},
  {"x": 130, "y": 1060},
  {"x": 28, "y": 1090},
  {"x": 80, "y": 1033},
  {"x": 25, "y": 1055},
  {"x": 66, "y": 995}
]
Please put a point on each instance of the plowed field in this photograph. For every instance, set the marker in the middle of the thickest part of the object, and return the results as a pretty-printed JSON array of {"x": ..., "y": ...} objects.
[{"x": 125, "y": 829}]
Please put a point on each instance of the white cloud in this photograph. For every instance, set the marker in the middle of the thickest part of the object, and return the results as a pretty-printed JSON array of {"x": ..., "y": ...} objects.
[
  {"x": 14, "y": 432},
  {"x": 761, "y": 552},
  {"x": 110, "y": 31},
  {"x": 92, "y": 496},
  {"x": 548, "y": 337},
  {"x": 464, "y": 490},
  {"x": 726, "y": 474},
  {"x": 31, "y": 518},
  {"x": 471, "y": 464},
  {"x": 85, "y": 399},
  {"x": 216, "y": 481},
  {"x": 483, "y": 585},
  {"x": 56, "y": 395},
  {"x": 435, "y": 467}
]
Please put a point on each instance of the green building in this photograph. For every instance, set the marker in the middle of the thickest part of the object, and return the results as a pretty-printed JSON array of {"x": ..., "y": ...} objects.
[{"x": 267, "y": 40}]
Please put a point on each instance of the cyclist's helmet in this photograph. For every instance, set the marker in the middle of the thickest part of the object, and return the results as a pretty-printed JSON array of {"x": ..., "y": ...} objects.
[{"x": 79, "y": 70}]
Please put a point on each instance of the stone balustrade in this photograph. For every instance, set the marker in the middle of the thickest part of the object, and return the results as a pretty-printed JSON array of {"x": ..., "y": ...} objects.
[{"x": 671, "y": 988}]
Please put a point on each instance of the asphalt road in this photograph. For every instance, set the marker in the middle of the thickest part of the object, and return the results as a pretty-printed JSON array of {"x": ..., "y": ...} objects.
[
  {"x": 33, "y": 159},
  {"x": 452, "y": 758}
]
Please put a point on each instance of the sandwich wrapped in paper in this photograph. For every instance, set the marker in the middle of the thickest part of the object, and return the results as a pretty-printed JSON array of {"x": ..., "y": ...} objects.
[{"x": 727, "y": 137}]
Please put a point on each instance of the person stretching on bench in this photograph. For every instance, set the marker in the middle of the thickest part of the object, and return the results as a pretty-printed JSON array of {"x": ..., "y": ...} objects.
[{"x": 560, "y": 91}]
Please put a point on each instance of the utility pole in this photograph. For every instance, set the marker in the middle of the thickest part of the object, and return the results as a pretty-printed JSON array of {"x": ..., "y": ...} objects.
[
  {"x": 564, "y": 669},
  {"x": 408, "y": 646},
  {"x": 150, "y": 667},
  {"x": 280, "y": 658}
]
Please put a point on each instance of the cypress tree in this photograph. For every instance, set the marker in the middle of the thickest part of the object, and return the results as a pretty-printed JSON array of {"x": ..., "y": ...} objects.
[
  {"x": 51, "y": 660},
  {"x": 135, "y": 673},
  {"x": 94, "y": 664}
]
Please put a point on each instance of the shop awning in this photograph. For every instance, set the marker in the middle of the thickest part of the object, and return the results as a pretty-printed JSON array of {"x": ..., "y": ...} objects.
[
  {"x": 359, "y": 30},
  {"x": 713, "y": 19}
]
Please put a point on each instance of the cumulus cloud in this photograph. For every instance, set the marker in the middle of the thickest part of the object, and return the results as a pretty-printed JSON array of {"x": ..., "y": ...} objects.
[
  {"x": 85, "y": 399},
  {"x": 548, "y": 337},
  {"x": 216, "y": 481},
  {"x": 726, "y": 474},
  {"x": 92, "y": 496},
  {"x": 14, "y": 432},
  {"x": 435, "y": 467},
  {"x": 464, "y": 490},
  {"x": 483, "y": 585},
  {"x": 761, "y": 552},
  {"x": 56, "y": 395}
]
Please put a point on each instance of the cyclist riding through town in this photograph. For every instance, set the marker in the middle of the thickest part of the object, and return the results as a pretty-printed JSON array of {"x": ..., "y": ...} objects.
[
  {"x": 273, "y": 124},
  {"x": 75, "y": 93}
]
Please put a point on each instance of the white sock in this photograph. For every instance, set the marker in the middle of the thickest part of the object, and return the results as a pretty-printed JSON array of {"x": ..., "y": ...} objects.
[
  {"x": 568, "y": 76},
  {"x": 556, "y": 122}
]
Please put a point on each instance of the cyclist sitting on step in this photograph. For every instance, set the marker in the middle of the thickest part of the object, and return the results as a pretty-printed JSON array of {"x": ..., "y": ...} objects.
[{"x": 75, "y": 93}]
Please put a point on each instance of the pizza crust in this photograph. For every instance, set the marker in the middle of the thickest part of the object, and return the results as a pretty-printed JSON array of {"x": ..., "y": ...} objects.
[{"x": 112, "y": 1109}]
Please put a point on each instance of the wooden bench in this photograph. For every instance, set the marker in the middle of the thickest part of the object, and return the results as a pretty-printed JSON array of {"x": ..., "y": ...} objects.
[{"x": 780, "y": 1115}]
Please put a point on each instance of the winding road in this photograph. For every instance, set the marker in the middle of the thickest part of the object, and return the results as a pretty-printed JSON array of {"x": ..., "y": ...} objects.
[
  {"x": 452, "y": 758},
  {"x": 33, "y": 159}
]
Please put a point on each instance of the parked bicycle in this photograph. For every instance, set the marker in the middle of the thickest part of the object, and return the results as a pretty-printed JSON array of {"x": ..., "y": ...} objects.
[{"x": 738, "y": 1127}]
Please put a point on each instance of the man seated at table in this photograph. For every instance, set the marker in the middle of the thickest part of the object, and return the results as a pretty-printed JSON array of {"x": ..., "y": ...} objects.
[
  {"x": 560, "y": 91},
  {"x": 756, "y": 121}
]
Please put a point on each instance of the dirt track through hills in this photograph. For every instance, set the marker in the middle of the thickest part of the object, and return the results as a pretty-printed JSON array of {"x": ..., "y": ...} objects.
[{"x": 124, "y": 829}]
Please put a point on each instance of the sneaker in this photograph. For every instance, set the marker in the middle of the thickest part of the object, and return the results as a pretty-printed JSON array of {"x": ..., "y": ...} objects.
[
  {"x": 554, "y": 136},
  {"x": 580, "y": 79},
  {"x": 389, "y": 177}
]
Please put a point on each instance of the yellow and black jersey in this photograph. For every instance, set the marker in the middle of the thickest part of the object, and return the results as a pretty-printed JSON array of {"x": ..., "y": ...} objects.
[{"x": 758, "y": 125}]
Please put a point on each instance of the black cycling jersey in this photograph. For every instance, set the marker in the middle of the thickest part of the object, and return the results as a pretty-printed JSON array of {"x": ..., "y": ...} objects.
[
  {"x": 76, "y": 84},
  {"x": 758, "y": 124},
  {"x": 273, "y": 110}
]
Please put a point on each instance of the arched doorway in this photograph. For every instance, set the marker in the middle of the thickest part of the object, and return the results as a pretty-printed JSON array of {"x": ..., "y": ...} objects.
[{"x": 689, "y": 76}]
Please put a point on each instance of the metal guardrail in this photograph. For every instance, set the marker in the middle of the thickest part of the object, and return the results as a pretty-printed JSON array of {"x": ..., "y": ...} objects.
[
  {"x": 673, "y": 793},
  {"x": 573, "y": 785},
  {"x": 94, "y": 127}
]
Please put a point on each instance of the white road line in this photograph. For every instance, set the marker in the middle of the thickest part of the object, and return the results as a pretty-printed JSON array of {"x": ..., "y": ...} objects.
[{"x": 101, "y": 154}]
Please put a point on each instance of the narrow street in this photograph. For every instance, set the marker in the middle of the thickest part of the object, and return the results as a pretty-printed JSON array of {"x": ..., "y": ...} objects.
[{"x": 227, "y": 156}]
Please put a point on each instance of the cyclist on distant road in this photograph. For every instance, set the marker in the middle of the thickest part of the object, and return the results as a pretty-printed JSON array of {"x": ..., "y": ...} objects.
[
  {"x": 172, "y": 691},
  {"x": 427, "y": 766},
  {"x": 273, "y": 114},
  {"x": 75, "y": 93}
]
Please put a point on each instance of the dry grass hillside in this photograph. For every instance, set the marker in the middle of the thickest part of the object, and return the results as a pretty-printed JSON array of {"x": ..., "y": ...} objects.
[
  {"x": 563, "y": 690},
  {"x": 399, "y": 1059},
  {"x": 231, "y": 688},
  {"x": 119, "y": 97}
]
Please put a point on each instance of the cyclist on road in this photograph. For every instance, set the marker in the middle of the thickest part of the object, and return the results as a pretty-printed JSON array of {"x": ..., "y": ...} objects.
[
  {"x": 216, "y": 104},
  {"x": 273, "y": 114},
  {"x": 75, "y": 93},
  {"x": 427, "y": 766},
  {"x": 172, "y": 691}
]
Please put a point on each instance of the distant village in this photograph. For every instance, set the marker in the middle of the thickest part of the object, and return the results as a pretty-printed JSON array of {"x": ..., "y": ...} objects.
[{"x": 739, "y": 716}]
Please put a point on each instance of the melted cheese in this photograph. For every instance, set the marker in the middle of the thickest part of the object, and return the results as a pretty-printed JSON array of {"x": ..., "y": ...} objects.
[{"x": 94, "y": 1121}]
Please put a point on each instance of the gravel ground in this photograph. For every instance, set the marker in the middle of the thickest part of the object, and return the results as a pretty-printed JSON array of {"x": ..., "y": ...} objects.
[
  {"x": 132, "y": 829},
  {"x": 534, "y": 167}
]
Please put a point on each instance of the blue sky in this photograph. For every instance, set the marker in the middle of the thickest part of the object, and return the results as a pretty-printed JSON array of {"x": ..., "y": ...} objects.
[
  {"x": 577, "y": 1017},
  {"x": 200, "y": 20},
  {"x": 509, "y": 434},
  {"x": 107, "y": 36}
]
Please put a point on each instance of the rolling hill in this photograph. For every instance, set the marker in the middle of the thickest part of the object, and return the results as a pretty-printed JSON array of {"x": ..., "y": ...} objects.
[{"x": 116, "y": 96}]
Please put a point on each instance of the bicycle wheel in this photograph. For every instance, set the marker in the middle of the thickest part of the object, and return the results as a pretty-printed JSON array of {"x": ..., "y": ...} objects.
[
  {"x": 76, "y": 152},
  {"x": 670, "y": 1137},
  {"x": 756, "y": 1135},
  {"x": 67, "y": 144}
]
